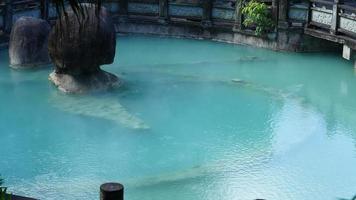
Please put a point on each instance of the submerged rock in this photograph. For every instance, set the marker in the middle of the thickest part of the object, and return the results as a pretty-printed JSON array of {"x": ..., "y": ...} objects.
[
  {"x": 236, "y": 80},
  {"x": 84, "y": 83},
  {"x": 78, "y": 45},
  {"x": 102, "y": 108},
  {"x": 28, "y": 46}
]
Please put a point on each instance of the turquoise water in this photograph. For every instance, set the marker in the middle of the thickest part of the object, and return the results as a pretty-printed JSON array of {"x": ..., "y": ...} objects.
[{"x": 195, "y": 120}]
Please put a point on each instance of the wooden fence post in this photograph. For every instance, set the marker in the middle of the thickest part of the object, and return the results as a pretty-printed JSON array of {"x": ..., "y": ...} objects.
[
  {"x": 8, "y": 16},
  {"x": 335, "y": 18},
  {"x": 275, "y": 11},
  {"x": 123, "y": 5},
  {"x": 163, "y": 11},
  {"x": 238, "y": 15},
  {"x": 283, "y": 14},
  {"x": 309, "y": 15},
  {"x": 207, "y": 13}
]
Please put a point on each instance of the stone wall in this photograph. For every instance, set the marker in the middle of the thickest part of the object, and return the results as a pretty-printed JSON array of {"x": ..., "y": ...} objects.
[
  {"x": 196, "y": 19},
  {"x": 284, "y": 40}
]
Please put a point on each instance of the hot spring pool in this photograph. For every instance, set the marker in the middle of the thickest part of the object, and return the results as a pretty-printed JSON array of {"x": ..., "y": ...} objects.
[{"x": 195, "y": 120}]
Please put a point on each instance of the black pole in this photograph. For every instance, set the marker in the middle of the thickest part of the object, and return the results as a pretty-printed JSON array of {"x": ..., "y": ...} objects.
[
  {"x": 207, "y": 12},
  {"x": 111, "y": 191},
  {"x": 123, "y": 5},
  {"x": 8, "y": 16},
  {"x": 283, "y": 14},
  {"x": 163, "y": 11},
  {"x": 44, "y": 9}
]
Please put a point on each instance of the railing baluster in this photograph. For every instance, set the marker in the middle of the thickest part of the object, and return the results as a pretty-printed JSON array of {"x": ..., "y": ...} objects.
[
  {"x": 335, "y": 18},
  {"x": 275, "y": 11},
  {"x": 163, "y": 11},
  {"x": 123, "y": 7},
  {"x": 309, "y": 15},
  {"x": 283, "y": 14},
  {"x": 207, "y": 12},
  {"x": 238, "y": 15}
]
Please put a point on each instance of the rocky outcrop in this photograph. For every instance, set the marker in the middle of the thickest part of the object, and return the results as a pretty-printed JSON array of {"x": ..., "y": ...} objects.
[
  {"x": 83, "y": 83},
  {"x": 78, "y": 45},
  {"x": 28, "y": 43}
]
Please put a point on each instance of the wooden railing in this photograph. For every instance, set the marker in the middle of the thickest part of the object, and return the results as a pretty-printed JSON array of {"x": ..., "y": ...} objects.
[
  {"x": 192, "y": 11},
  {"x": 347, "y": 16},
  {"x": 201, "y": 12},
  {"x": 204, "y": 13},
  {"x": 336, "y": 17}
]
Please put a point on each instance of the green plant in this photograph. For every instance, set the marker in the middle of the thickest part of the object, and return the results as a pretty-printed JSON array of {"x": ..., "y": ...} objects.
[
  {"x": 256, "y": 14},
  {"x": 3, "y": 193}
]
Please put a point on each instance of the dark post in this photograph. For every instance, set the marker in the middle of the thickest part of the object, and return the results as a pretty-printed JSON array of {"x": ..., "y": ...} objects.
[
  {"x": 275, "y": 11},
  {"x": 207, "y": 12},
  {"x": 111, "y": 191},
  {"x": 44, "y": 9},
  {"x": 123, "y": 5},
  {"x": 309, "y": 16},
  {"x": 335, "y": 19},
  {"x": 163, "y": 11},
  {"x": 238, "y": 17},
  {"x": 283, "y": 14},
  {"x": 8, "y": 16}
]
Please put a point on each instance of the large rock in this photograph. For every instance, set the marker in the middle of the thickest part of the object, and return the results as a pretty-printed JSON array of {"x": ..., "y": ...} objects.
[
  {"x": 28, "y": 43},
  {"x": 78, "y": 45},
  {"x": 84, "y": 83}
]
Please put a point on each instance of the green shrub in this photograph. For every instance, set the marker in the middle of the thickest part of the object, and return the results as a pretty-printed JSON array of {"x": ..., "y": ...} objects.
[
  {"x": 3, "y": 193},
  {"x": 256, "y": 14}
]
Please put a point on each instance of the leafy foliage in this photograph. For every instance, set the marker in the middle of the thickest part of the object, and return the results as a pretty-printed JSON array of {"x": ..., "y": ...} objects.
[
  {"x": 256, "y": 14},
  {"x": 3, "y": 193}
]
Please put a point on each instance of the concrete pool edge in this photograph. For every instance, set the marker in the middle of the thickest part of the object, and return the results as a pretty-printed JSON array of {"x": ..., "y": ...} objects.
[{"x": 291, "y": 40}]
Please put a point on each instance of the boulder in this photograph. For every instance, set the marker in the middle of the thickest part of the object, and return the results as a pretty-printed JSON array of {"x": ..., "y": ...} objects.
[
  {"x": 78, "y": 45},
  {"x": 28, "y": 46},
  {"x": 84, "y": 83}
]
